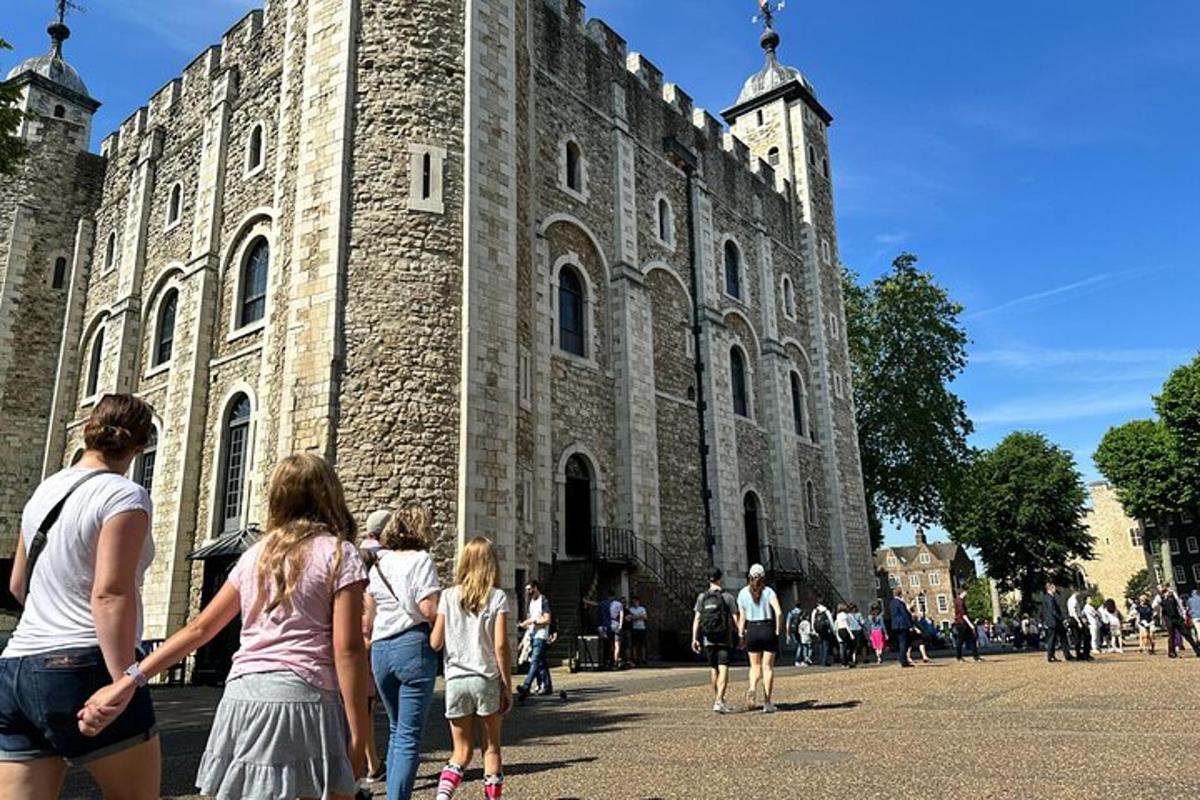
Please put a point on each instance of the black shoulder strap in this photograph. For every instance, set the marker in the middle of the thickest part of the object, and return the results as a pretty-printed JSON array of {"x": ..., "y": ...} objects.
[
  {"x": 384, "y": 578},
  {"x": 39, "y": 539}
]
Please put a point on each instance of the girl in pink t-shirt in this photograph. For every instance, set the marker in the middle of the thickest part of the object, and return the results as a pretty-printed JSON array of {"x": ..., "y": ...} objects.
[{"x": 293, "y": 719}]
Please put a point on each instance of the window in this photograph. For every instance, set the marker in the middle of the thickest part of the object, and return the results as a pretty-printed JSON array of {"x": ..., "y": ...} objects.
[
  {"x": 733, "y": 270},
  {"x": 1158, "y": 573},
  {"x": 943, "y": 606},
  {"x": 789, "y": 298},
  {"x": 773, "y": 156},
  {"x": 110, "y": 251},
  {"x": 666, "y": 233},
  {"x": 759, "y": 116},
  {"x": 835, "y": 328},
  {"x": 572, "y": 308},
  {"x": 254, "y": 150},
  {"x": 60, "y": 112},
  {"x": 935, "y": 579},
  {"x": 737, "y": 382},
  {"x": 252, "y": 305},
  {"x": 144, "y": 474},
  {"x": 837, "y": 385},
  {"x": 812, "y": 156},
  {"x": 924, "y": 558},
  {"x": 524, "y": 378},
  {"x": 59, "y": 278},
  {"x": 1180, "y": 575},
  {"x": 825, "y": 168},
  {"x": 1135, "y": 537},
  {"x": 1186, "y": 517},
  {"x": 1196, "y": 572},
  {"x": 574, "y": 168},
  {"x": 164, "y": 331},
  {"x": 798, "y": 404},
  {"x": 234, "y": 458},
  {"x": 93, "y": 376},
  {"x": 1174, "y": 546},
  {"x": 426, "y": 166},
  {"x": 891, "y": 561},
  {"x": 810, "y": 496},
  {"x": 175, "y": 205},
  {"x": 1193, "y": 545},
  {"x": 914, "y": 580},
  {"x": 826, "y": 252},
  {"x": 893, "y": 581}
]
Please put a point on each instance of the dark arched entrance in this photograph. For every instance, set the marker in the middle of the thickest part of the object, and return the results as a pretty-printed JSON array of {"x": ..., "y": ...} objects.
[
  {"x": 577, "y": 516},
  {"x": 750, "y": 522}
]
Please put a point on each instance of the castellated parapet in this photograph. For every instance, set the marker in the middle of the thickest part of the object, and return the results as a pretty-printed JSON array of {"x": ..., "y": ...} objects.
[{"x": 485, "y": 259}]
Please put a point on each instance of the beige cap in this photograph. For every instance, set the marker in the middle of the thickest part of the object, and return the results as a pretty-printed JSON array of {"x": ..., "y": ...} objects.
[
  {"x": 377, "y": 522},
  {"x": 757, "y": 571}
]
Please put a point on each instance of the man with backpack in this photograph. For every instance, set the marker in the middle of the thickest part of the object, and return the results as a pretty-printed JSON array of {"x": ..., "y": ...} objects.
[
  {"x": 794, "y": 636},
  {"x": 712, "y": 633},
  {"x": 823, "y": 629}
]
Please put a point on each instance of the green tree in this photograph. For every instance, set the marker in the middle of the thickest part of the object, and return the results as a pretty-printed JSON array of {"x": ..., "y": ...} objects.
[
  {"x": 1139, "y": 460},
  {"x": 1139, "y": 585},
  {"x": 1020, "y": 505},
  {"x": 12, "y": 149},
  {"x": 979, "y": 599},
  {"x": 907, "y": 346},
  {"x": 1178, "y": 408}
]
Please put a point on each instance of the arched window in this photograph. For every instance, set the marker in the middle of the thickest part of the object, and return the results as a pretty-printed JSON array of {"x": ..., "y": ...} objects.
[
  {"x": 144, "y": 473},
  {"x": 733, "y": 270},
  {"x": 578, "y": 513},
  {"x": 810, "y": 498},
  {"x": 789, "y": 298},
  {"x": 60, "y": 112},
  {"x": 572, "y": 310},
  {"x": 175, "y": 204},
  {"x": 574, "y": 166},
  {"x": 750, "y": 527},
  {"x": 254, "y": 149},
  {"x": 110, "y": 251},
  {"x": 773, "y": 156},
  {"x": 59, "y": 278},
  {"x": 737, "y": 382},
  {"x": 164, "y": 330},
  {"x": 93, "y": 376},
  {"x": 825, "y": 168},
  {"x": 812, "y": 156},
  {"x": 252, "y": 301},
  {"x": 235, "y": 457},
  {"x": 665, "y": 223},
  {"x": 798, "y": 403}
]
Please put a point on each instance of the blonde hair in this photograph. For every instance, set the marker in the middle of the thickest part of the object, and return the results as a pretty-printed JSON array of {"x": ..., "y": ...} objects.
[
  {"x": 305, "y": 500},
  {"x": 408, "y": 529},
  {"x": 477, "y": 574}
]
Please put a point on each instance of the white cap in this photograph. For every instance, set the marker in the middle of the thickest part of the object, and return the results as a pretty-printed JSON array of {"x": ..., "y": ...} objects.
[
  {"x": 377, "y": 522},
  {"x": 757, "y": 571}
]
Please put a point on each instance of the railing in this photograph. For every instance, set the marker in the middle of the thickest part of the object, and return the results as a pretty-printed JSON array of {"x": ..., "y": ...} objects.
[
  {"x": 788, "y": 562},
  {"x": 623, "y": 546}
]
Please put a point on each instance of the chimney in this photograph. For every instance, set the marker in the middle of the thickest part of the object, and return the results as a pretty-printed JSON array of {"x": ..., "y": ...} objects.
[{"x": 920, "y": 536}]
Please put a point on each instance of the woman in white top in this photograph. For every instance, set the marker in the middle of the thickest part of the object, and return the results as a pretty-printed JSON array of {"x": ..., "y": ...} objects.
[
  {"x": 82, "y": 618},
  {"x": 759, "y": 620},
  {"x": 845, "y": 624},
  {"x": 401, "y": 604}
]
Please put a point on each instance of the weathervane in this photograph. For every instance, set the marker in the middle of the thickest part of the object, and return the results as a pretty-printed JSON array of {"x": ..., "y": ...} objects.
[
  {"x": 767, "y": 9},
  {"x": 58, "y": 30},
  {"x": 67, "y": 5}
]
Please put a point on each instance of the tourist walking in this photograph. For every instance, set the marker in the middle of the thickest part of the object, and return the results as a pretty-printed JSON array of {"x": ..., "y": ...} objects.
[
  {"x": 902, "y": 623},
  {"x": 878, "y": 628},
  {"x": 1194, "y": 609},
  {"x": 924, "y": 634},
  {"x": 616, "y": 626},
  {"x": 1052, "y": 619},
  {"x": 965, "y": 631},
  {"x": 1173, "y": 612},
  {"x": 1091, "y": 616},
  {"x": 792, "y": 626},
  {"x": 825, "y": 633},
  {"x": 292, "y": 720},
  {"x": 859, "y": 629},
  {"x": 83, "y": 548},
  {"x": 472, "y": 630},
  {"x": 759, "y": 626},
  {"x": 637, "y": 616},
  {"x": 845, "y": 635},
  {"x": 402, "y": 599},
  {"x": 537, "y": 622},
  {"x": 1145, "y": 624},
  {"x": 712, "y": 633},
  {"x": 1110, "y": 618},
  {"x": 1077, "y": 626}
]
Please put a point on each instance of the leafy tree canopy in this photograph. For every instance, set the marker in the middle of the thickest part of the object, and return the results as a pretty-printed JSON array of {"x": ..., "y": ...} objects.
[
  {"x": 1139, "y": 585},
  {"x": 12, "y": 149},
  {"x": 907, "y": 345},
  {"x": 1139, "y": 460},
  {"x": 1179, "y": 409},
  {"x": 979, "y": 599},
  {"x": 1020, "y": 505}
]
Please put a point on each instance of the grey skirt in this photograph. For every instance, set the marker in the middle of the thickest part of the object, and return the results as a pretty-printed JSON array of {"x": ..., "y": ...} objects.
[{"x": 276, "y": 737}]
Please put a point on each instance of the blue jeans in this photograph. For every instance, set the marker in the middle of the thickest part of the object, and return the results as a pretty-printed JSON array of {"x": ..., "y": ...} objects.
[
  {"x": 405, "y": 670},
  {"x": 538, "y": 668},
  {"x": 804, "y": 653}
]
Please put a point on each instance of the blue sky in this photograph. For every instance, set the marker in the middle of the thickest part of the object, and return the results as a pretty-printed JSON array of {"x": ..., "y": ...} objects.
[{"x": 1041, "y": 158}]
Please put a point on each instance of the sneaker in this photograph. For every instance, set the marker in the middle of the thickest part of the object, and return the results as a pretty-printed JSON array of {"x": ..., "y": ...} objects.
[
  {"x": 522, "y": 693},
  {"x": 719, "y": 707},
  {"x": 751, "y": 697},
  {"x": 769, "y": 707},
  {"x": 379, "y": 775}
]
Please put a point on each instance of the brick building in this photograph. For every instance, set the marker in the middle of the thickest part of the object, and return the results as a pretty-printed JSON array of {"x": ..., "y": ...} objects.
[
  {"x": 929, "y": 573},
  {"x": 476, "y": 253}
]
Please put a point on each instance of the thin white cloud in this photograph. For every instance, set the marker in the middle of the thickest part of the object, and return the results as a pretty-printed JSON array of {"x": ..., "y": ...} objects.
[
  {"x": 1058, "y": 408},
  {"x": 1050, "y": 358},
  {"x": 1100, "y": 280},
  {"x": 892, "y": 238},
  {"x": 185, "y": 25}
]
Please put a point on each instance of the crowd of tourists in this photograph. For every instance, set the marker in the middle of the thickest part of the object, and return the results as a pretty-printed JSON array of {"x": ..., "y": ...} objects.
[{"x": 327, "y": 628}]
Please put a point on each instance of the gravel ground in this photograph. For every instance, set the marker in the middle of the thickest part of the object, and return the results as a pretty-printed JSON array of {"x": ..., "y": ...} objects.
[{"x": 1013, "y": 726}]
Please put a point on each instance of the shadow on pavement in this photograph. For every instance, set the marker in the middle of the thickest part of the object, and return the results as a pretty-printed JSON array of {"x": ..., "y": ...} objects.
[{"x": 813, "y": 705}]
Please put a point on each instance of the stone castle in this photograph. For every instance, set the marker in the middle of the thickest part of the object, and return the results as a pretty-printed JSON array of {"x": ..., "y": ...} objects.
[{"x": 476, "y": 253}]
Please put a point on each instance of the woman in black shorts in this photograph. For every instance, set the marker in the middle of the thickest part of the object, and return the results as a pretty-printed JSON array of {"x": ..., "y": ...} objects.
[{"x": 759, "y": 620}]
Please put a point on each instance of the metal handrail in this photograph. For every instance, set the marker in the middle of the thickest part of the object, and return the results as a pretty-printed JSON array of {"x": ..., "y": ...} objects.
[
  {"x": 790, "y": 561},
  {"x": 621, "y": 545}
]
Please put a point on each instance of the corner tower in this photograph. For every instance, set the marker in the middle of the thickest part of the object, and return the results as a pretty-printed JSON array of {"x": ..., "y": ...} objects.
[{"x": 779, "y": 118}]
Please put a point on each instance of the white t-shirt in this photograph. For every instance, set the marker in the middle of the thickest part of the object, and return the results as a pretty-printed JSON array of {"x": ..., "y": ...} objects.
[
  {"x": 1194, "y": 606},
  {"x": 756, "y": 612},
  {"x": 637, "y": 615},
  {"x": 58, "y": 611},
  {"x": 470, "y": 644},
  {"x": 537, "y": 608},
  {"x": 412, "y": 575}
]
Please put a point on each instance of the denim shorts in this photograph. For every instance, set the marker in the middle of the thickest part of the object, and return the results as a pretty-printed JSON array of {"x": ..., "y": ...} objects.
[
  {"x": 40, "y": 697},
  {"x": 472, "y": 696}
]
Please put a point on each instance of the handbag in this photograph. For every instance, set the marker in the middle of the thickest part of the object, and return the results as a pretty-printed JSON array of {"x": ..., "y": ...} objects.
[{"x": 38, "y": 543}]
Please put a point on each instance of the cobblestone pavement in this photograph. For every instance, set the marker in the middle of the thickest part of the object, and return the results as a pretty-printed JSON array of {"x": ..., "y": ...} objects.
[{"x": 1011, "y": 727}]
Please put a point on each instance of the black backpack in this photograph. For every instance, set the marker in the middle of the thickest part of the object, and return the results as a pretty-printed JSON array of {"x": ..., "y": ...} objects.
[
  {"x": 822, "y": 626},
  {"x": 714, "y": 617}
]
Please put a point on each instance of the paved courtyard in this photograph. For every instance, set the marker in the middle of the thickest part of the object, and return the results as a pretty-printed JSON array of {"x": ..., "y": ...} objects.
[{"x": 1012, "y": 727}]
